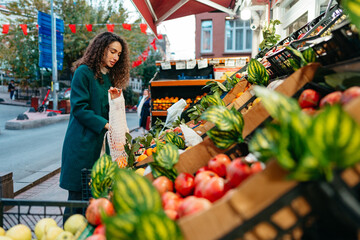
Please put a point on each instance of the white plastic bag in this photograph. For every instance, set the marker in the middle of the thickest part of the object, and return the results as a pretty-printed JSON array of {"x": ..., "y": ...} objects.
[
  {"x": 174, "y": 112},
  {"x": 191, "y": 137},
  {"x": 117, "y": 130}
]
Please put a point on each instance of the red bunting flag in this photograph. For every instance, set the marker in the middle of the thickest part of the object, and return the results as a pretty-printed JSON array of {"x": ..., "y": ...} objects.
[
  {"x": 160, "y": 36},
  {"x": 72, "y": 28},
  {"x": 145, "y": 54},
  {"x": 37, "y": 26},
  {"x": 126, "y": 26},
  {"x": 24, "y": 28},
  {"x": 143, "y": 27},
  {"x": 153, "y": 44},
  {"x": 6, "y": 28},
  {"x": 89, "y": 27},
  {"x": 110, "y": 27}
]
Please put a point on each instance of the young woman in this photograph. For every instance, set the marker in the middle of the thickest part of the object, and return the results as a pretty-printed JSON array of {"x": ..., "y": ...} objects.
[{"x": 103, "y": 68}]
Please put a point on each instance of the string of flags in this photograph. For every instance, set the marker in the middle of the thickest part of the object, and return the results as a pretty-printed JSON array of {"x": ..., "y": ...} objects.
[
  {"x": 142, "y": 57},
  {"x": 73, "y": 27}
]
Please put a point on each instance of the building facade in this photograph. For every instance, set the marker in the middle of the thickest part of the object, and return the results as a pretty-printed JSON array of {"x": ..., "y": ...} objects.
[
  {"x": 217, "y": 36},
  {"x": 136, "y": 84}
]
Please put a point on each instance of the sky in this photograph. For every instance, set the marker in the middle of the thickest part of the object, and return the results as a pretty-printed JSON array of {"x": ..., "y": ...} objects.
[{"x": 181, "y": 33}]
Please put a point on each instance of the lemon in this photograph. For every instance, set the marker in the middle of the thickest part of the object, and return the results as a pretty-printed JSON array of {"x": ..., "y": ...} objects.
[{"x": 140, "y": 171}]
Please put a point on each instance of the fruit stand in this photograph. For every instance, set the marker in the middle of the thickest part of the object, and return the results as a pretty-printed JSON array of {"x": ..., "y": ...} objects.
[{"x": 277, "y": 153}]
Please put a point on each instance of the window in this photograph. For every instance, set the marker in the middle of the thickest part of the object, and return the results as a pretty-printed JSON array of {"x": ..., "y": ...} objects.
[
  {"x": 206, "y": 36},
  {"x": 238, "y": 36}
]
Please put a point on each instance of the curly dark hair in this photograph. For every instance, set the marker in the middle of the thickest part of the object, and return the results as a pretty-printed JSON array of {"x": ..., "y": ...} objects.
[{"x": 93, "y": 57}]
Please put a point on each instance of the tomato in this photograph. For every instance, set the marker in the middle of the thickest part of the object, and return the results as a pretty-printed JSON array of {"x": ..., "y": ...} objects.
[
  {"x": 202, "y": 169},
  {"x": 256, "y": 167},
  {"x": 163, "y": 184},
  {"x": 238, "y": 75},
  {"x": 310, "y": 111},
  {"x": 219, "y": 163},
  {"x": 331, "y": 99},
  {"x": 185, "y": 184},
  {"x": 237, "y": 172},
  {"x": 309, "y": 98}
]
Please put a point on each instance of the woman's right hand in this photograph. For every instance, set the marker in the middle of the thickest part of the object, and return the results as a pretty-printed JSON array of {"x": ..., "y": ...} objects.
[{"x": 114, "y": 92}]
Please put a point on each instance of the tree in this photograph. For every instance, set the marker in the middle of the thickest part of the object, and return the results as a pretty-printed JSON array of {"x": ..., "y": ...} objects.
[
  {"x": 21, "y": 54},
  {"x": 148, "y": 68}
]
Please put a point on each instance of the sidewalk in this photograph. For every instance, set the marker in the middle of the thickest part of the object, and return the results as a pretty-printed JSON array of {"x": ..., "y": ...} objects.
[{"x": 49, "y": 188}]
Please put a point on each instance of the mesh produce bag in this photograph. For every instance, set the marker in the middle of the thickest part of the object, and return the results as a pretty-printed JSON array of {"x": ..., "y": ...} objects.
[{"x": 117, "y": 130}]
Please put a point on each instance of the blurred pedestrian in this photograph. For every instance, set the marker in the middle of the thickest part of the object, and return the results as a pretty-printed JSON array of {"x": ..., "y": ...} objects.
[
  {"x": 104, "y": 68},
  {"x": 145, "y": 113},
  {"x": 11, "y": 89},
  {"x": 141, "y": 103}
]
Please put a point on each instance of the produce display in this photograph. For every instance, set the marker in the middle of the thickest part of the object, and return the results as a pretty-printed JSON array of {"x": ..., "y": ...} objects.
[{"x": 273, "y": 151}]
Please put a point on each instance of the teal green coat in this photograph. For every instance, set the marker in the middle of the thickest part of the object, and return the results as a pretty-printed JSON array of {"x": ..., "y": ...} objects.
[{"x": 85, "y": 132}]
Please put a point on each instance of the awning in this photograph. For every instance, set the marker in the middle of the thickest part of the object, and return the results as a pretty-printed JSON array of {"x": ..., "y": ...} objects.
[{"x": 156, "y": 11}]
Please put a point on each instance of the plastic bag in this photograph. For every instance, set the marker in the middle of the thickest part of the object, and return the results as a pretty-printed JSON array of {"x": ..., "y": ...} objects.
[
  {"x": 191, "y": 137},
  {"x": 174, "y": 112},
  {"x": 117, "y": 130}
]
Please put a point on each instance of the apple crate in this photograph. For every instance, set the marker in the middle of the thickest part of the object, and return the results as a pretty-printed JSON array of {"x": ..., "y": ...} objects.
[{"x": 29, "y": 212}]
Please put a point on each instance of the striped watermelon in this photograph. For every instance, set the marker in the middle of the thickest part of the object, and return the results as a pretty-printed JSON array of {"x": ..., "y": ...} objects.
[
  {"x": 121, "y": 226},
  {"x": 101, "y": 176},
  {"x": 309, "y": 55},
  {"x": 257, "y": 73},
  {"x": 157, "y": 226},
  {"x": 173, "y": 138},
  {"x": 134, "y": 193}
]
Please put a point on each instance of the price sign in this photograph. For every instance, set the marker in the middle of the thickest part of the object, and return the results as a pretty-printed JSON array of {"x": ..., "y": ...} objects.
[
  {"x": 165, "y": 65},
  {"x": 202, "y": 63},
  {"x": 190, "y": 64},
  {"x": 180, "y": 65}
]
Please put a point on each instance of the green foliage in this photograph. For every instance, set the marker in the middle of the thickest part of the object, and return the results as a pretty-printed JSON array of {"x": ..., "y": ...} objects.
[
  {"x": 130, "y": 149},
  {"x": 311, "y": 148},
  {"x": 157, "y": 128},
  {"x": 145, "y": 140},
  {"x": 197, "y": 110},
  {"x": 216, "y": 87},
  {"x": 20, "y": 54},
  {"x": 228, "y": 128},
  {"x": 131, "y": 98},
  {"x": 352, "y": 8},
  {"x": 269, "y": 36},
  {"x": 303, "y": 59},
  {"x": 148, "y": 68},
  {"x": 178, "y": 122}
]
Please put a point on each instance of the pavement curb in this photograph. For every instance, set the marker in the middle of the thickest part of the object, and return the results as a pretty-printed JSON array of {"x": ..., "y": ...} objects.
[
  {"x": 43, "y": 178},
  {"x": 26, "y": 124}
]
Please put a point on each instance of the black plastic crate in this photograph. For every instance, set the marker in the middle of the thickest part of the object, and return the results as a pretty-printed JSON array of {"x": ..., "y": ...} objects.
[
  {"x": 280, "y": 61},
  {"x": 86, "y": 184},
  {"x": 29, "y": 212}
]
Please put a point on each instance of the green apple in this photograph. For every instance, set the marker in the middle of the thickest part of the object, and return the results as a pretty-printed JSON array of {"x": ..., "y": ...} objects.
[
  {"x": 19, "y": 232},
  {"x": 42, "y": 225},
  {"x": 52, "y": 233},
  {"x": 65, "y": 236},
  {"x": 74, "y": 222}
]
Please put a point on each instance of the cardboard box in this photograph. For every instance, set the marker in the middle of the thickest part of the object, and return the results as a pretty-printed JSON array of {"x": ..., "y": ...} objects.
[
  {"x": 239, "y": 205},
  {"x": 238, "y": 88}
]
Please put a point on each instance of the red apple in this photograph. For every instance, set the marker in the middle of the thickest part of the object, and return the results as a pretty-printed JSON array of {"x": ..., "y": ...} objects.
[
  {"x": 331, "y": 99},
  {"x": 96, "y": 237},
  {"x": 100, "y": 230},
  {"x": 350, "y": 94},
  {"x": 309, "y": 98},
  {"x": 172, "y": 214},
  {"x": 166, "y": 196},
  {"x": 163, "y": 184},
  {"x": 205, "y": 175},
  {"x": 185, "y": 184},
  {"x": 202, "y": 169},
  {"x": 256, "y": 167},
  {"x": 192, "y": 205},
  {"x": 219, "y": 163},
  {"x": 214, "y": 189},
  {"x": 310, "y": 111},
  {"x": 237, "y": 172}
]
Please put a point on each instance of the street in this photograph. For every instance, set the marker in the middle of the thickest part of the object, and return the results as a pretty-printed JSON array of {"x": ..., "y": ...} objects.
[{"x": 25, "y": 152}]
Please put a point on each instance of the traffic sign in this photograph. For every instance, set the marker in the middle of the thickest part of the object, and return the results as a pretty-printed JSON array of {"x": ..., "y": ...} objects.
[{"x": 45, "y": 50}]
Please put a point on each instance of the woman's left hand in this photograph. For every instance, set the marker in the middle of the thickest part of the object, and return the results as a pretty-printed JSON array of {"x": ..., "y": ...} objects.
[{"x": 114, "y": 92}]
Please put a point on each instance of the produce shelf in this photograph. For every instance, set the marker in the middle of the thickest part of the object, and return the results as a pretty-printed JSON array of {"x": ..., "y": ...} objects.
[
  {"x": 166, "y": 83},
  {"x": 159, "y": 113}
]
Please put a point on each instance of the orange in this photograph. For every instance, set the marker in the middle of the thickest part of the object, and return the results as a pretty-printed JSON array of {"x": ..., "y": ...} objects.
[
  {"x": 141, "y": 157},
  {"x": 154, "y": 149},
  {"x": 149, "y": 151},
  {"x": 239, "y": 94}
]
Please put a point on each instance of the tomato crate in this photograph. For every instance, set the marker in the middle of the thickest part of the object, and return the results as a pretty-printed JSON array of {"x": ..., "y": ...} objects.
[
  {"x": 85, "y": 184},
  {"x": 29, "y": 212}
]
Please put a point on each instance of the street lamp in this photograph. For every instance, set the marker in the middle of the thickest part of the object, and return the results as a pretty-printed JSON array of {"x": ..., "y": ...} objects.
[
  {"x": 54, "y": 62},
  {"x": 245, "y": 14}
]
